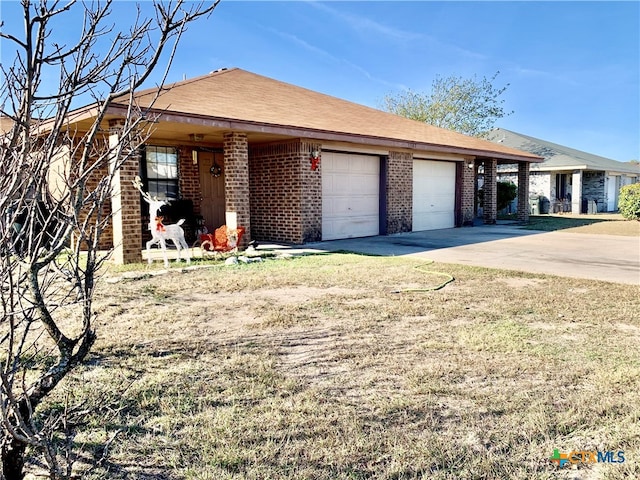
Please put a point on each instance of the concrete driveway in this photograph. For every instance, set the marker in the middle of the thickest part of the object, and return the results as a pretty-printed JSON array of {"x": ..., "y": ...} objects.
[{"x": 600, "y": 257}]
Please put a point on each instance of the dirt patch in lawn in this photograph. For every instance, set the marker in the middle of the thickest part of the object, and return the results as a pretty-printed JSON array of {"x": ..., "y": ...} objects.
[
  {"x": 313, "y": 368},
  {"x": 300, "y": 293},
  {"x": 523, "y": 282}
]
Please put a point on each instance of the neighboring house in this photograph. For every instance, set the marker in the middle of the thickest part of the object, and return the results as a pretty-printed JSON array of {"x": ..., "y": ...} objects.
[
  {"x": 293, "y": 165},
  {"x": 572, "y": 181}
]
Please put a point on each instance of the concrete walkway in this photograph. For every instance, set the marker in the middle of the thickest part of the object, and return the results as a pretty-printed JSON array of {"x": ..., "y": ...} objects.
[{"x": 599, "y": 257}]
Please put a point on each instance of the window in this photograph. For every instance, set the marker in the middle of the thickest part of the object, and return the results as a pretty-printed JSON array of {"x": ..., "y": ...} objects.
[{"x": 160, "y": 170}]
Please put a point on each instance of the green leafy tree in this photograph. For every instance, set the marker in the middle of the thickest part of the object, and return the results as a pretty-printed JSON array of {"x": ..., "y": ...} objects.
[
  {"x": 465, "y": 105},
  {"x": 629, "y": 202}
]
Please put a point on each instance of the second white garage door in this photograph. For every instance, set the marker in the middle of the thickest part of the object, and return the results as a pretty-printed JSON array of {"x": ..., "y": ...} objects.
[
  {"x": 350, "y": 195},
  {"x": 434, "y": 194}
]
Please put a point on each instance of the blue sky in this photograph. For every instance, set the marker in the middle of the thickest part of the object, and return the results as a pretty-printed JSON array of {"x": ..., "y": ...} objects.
[{"x": 573, "y": 68}]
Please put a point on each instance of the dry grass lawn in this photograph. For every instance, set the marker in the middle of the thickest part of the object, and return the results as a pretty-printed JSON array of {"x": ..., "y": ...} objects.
[
  {"x": 310, "y": 368},
  {"x": 601, "y": 223}
]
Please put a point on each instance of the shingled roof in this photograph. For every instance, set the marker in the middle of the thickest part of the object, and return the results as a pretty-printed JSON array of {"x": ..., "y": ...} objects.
[
  {"x": 559, "y": 157},
  {"x": 256, "y": 101}
]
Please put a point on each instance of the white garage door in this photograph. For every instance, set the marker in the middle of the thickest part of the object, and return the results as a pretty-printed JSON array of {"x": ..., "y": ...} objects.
[
  {"x": 350, "y": 195},
  {"x": 434, "y": 194}
]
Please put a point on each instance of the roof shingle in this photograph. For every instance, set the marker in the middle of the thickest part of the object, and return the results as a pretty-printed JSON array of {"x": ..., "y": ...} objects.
[
  {"x": 558, "y": 157},
  {"x": 236, "y": 94}
]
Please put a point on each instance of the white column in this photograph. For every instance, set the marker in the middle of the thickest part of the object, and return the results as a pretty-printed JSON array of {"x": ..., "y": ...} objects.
[{"x": 576, "y": 192}]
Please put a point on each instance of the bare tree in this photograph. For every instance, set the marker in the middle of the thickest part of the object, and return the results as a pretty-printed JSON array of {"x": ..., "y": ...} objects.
[{"x": 55, "y": 191}]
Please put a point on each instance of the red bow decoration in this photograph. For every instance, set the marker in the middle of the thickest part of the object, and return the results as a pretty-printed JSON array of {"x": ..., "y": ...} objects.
[
  {"x": 315, "y": 161},
  {"x": 159, "y": 224}
]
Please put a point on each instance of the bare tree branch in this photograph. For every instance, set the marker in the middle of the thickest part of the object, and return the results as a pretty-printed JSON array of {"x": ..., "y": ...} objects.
[{"x": 55, "y": 193}]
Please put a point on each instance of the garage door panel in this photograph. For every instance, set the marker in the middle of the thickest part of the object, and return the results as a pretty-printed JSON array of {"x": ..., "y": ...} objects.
[
  {"x": 349, "y": 227},
  {"x": 342, "y": 184},
  {"x": 362, "y": 206},
  {"x": 336, "y": 206},
  {"x": 351, "y": 184},
  {"x": 330, "y": 163},
  {"x": 434, "y": 192},
  {"x": 328, "y": 205},
  {"x": 348, "y": 207},
  {"x": 433, "y": 207},
  {"x": 434, "y": 203},
  {"x": 364, "y": 186},
  {"x": 435, "y": 221},
  {"x": 327, "y": 184},
  {"x": 365, "y": 166},
  {"x": 350, "y": 195}
]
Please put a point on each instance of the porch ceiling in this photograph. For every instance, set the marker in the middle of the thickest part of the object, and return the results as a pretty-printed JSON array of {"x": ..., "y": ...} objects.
[
  {"x": 177, "y": 127},
  {"x": 181, "y": 133},
  {"x": 179, "y": 130}
]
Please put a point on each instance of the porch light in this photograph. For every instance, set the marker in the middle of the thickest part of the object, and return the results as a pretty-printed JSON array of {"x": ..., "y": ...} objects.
[{"x": 194, "y": 156}]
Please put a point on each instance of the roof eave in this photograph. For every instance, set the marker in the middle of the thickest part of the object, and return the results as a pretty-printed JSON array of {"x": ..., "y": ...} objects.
[{"x": 311, "y": 133}]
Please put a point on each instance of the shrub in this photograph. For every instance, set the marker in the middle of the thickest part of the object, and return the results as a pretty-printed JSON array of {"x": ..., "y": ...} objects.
[
  {"x": 629, "y": 202},
  {"x": 507, "y": 192}
]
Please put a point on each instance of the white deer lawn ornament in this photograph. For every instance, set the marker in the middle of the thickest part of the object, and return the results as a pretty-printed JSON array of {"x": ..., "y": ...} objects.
[{"x": 160, "y": 232}]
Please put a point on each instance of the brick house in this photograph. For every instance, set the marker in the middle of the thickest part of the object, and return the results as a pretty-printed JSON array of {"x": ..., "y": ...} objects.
[
  {"x": 573, "y": 181},
  {"x": 297, "y": 166}
]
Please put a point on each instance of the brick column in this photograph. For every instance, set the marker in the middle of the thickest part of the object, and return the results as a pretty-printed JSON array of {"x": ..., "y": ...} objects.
[
  {"x": 467, "y": 193},
  {"x": 311, "y": 194},
  {"x": 490, "y": 189},
  {"x": 399, "y": 193},
  {"x": 476, "y": 172},
  {"x": 576, "y": 192},
  {"x": 236, "y": 180},
  {"x": 125, "y": 203},
  {"x": 523, "y": 191}
]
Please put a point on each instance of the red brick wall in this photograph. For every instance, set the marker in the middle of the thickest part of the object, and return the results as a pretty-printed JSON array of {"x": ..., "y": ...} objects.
[
  {"x": 286, "y": 203},
  {"x": 523, "y": 191},
  {"x": 467, "y": 192},
  {"x": 189, "y": 178},
  {"x": 311, "y": 194},
  {"x": 399, "y": 192},
  {"x": 106, "y": 239},
  {"x": 131, "y": 222},
  {"x": 236, "y": 180},
  {"x": 490, "y": 189}
]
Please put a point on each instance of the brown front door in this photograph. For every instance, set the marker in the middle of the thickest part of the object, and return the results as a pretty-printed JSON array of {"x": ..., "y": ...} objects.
[{"x": 212, "y": 206}]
